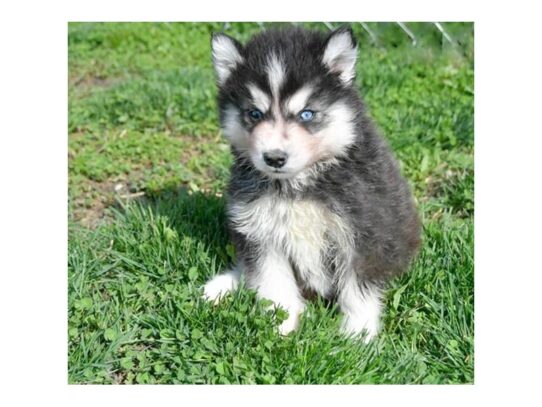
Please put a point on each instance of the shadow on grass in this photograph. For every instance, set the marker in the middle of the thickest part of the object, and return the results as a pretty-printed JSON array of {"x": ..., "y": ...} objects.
[{"x": 194, "y": 215}]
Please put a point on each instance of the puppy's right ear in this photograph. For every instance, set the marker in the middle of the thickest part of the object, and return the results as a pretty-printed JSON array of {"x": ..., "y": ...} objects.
[{"x": 226, "y": 55}]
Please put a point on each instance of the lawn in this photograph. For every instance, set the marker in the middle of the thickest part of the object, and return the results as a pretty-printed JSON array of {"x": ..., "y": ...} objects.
[{"x": 147, "y": 167}]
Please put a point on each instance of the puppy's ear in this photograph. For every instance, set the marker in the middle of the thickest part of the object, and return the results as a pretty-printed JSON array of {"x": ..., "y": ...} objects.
[
  {"x": 226, "y": 55},
  {"x": 340, "y": 53}
]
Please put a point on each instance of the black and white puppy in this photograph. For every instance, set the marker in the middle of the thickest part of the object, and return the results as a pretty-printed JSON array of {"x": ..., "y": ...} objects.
[{"x": 316, "y": 202}]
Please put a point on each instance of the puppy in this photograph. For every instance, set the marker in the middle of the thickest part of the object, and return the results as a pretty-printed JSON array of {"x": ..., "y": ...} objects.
[{"x": 316, "y": 203}]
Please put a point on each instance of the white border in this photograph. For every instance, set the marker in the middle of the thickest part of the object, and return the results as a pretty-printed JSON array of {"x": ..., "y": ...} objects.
[{"x": 33, "y": 169}]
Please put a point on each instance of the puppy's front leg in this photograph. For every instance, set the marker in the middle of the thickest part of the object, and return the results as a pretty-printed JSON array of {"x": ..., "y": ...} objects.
[{"x": 273, "y": 278}]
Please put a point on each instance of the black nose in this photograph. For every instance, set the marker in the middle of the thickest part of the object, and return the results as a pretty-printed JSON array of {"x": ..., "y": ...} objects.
[{"x": 275, "y": 158}]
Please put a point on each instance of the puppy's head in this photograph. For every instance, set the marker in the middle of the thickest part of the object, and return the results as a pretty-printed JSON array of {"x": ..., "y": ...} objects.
[{"x": 286, "y": 98}]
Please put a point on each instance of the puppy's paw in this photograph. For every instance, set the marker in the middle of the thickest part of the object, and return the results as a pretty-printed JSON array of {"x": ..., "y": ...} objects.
[
  {"x": 365, "y": 327},
  {"x": 220, "y": 285},
  {"x": 291, "y": 323},
  {"x": 288, "y": 326}
]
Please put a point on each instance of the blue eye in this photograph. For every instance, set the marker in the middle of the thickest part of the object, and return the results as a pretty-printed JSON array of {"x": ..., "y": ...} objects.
[
  {"x": 255, "y": 114},
  {"x": 306, "y": 115}
]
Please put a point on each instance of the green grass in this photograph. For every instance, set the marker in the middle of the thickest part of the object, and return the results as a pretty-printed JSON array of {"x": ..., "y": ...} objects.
[{"x": 147, "y": 167}]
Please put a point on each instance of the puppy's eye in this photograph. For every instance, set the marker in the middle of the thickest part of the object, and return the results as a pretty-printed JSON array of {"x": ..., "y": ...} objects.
[
  {"x": 255, "y": 114},
  {"x": 306, "y": 115}
]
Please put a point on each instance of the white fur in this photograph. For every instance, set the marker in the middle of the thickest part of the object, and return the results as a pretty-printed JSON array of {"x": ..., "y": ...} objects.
[
  {"x": 232, "y": 128},
  {"x": 226, "y": 57},
  {"x": 308, "y": 176},
  {"x": 222, "y": 284},
  {"x": 298, "y": 101},
  {"x": 340, "y": 134},
  {"x": 340, "y": 56},
  {"x": 275, "y": 281},
  {"x": 361, "y": 309},
  {"x": 275, "y": 74},
  {"x": 298, "y": 230},
  {"x": 259, "y": 98}
]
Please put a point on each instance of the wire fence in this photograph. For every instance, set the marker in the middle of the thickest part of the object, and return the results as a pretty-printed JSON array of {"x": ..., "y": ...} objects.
[{"x": 412, "y": 32}]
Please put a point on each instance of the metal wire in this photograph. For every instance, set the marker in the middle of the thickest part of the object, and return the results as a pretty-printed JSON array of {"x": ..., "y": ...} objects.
[
  {"x": 408, "y": 32},
  {"x": 445, "y": 34},
  {"x": 374, "y": 37}
]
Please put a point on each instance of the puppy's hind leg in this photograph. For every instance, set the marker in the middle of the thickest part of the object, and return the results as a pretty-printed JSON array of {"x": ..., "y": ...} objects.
[
  {"x": 221, "y": 284},
  {"x": 361, "y": 306}
]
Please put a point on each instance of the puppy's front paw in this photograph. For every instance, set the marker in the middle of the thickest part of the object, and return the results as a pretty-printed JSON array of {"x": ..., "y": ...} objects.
[
  {"x": 291, "y": 323},
  {"x": 357, "y": 325},
  {"x": 288, "y": 326},
  {"x": 220, "y": 285}
]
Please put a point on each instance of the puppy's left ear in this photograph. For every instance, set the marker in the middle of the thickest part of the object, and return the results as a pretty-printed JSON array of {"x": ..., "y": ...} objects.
[{"x": 340, "y": 54}]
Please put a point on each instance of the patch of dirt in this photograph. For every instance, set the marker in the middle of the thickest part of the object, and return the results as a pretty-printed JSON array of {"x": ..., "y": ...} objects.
[
  {"x": 433, "y": 182},
  {"x": 90, "y": 207},
  {"x": 91, "y": 81},
  {"x": 86, "y": 84}
]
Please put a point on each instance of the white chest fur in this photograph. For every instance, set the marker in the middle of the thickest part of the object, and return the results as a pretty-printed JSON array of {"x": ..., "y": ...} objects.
[{"x": 301, "y": 229}]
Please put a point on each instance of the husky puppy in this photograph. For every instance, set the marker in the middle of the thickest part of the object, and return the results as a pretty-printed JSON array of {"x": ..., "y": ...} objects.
[{"x": 316, "y": 202}]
